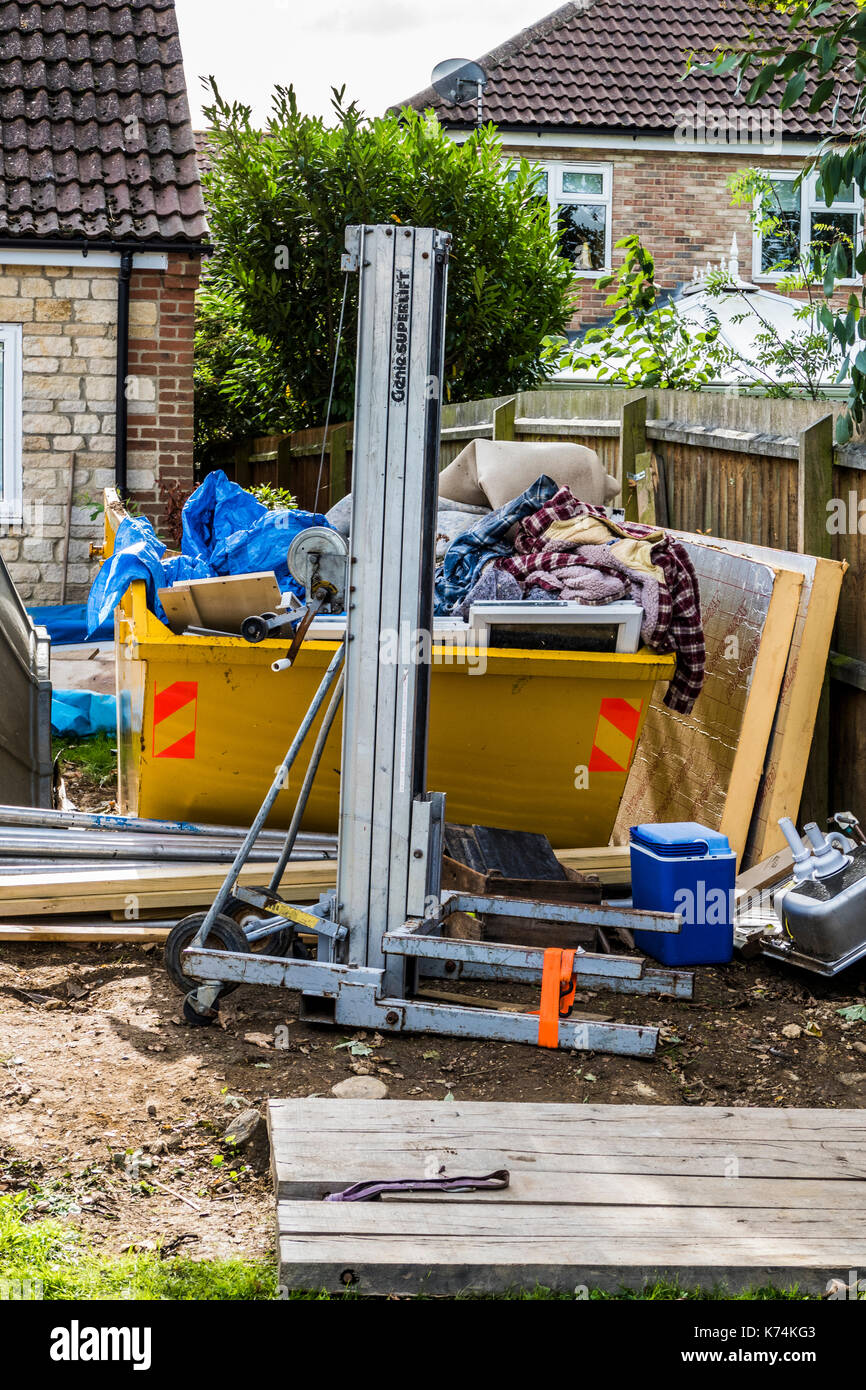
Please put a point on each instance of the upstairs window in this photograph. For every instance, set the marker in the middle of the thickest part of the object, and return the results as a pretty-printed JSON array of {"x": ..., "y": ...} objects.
[
  {"x": 803, "y": 219},
  {"x": 579, "y": 198}
]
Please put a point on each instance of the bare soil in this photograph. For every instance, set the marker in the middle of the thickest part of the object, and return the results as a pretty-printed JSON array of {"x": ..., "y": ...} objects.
[{"x": 113, "y": 1109}]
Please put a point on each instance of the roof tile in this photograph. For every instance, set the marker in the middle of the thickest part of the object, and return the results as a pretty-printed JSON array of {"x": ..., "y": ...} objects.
[
  {"x": 72, "y": 73},
  {"x": 620, "y": 65}
]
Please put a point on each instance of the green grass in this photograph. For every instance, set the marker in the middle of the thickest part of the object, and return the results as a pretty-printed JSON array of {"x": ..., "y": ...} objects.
[
  {"x": 95, "y": 756},
  {"x": 55, "y": 1256},
  {"x": 56, "y": 1262}
]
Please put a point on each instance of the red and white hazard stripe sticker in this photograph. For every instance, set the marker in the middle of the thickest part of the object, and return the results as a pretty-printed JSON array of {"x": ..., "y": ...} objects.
[{"x": 174, "y": 719}]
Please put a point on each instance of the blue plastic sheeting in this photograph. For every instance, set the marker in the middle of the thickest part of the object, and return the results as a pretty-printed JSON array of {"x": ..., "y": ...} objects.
[
  {"x": 225, "y": 531},
  {"x": 67, "y": 623},
  {"x": 82, "y": 712}
]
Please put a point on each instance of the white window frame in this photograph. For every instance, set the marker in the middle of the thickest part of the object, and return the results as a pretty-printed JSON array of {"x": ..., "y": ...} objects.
[
  {"x": 555, "y": 169},
  {"x": 811, "y": 207},
  {"x": 11, "y": 478}
]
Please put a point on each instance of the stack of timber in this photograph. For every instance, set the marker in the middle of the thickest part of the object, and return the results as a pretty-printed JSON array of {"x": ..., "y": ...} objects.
[
  {"x": 74, "y": 876},
  {"x": 738, "y": 761},
  {"x": 79, "y": 877}
]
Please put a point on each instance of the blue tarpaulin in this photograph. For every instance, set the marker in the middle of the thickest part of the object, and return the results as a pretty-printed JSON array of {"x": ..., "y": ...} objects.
[
  {"x": 225, "y": 531},
  {"x": 82, "y": 712},
  {"x": 67, "y": 624}
]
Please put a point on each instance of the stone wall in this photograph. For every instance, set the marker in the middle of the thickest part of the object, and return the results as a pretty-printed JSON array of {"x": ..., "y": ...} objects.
[{"x": 69, "y": 327}]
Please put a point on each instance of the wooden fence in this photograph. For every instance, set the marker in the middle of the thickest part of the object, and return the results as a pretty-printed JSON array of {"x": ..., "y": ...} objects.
[{"x": 749, "y": 469}]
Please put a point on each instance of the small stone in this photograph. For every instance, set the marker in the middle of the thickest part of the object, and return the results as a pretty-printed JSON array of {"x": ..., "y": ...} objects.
[
  {"x": 852, "y": 1078},
  {"x": 360, "y": 1088},
  {"x": 248, "y": 1134},
  {"x": 792, "y": 1030},
  {"x": 151, "y": 1109}
]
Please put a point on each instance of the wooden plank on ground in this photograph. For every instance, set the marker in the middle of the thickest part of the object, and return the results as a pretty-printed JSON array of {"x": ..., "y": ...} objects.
[
  {"x": 109, "y": 887},
  {"x": 795, "y": 1213},
  {"x": 77, "y": 934},
  {"x": 163, "y": 886}
]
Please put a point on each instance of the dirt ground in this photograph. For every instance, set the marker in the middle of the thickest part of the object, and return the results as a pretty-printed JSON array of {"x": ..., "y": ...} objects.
[{"x": 113, "y": 1109}]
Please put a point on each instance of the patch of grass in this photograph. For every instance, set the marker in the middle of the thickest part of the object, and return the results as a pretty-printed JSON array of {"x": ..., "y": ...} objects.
[
  {"x": 95, "y": 757},
  {"x": 54, "y": 1261}
]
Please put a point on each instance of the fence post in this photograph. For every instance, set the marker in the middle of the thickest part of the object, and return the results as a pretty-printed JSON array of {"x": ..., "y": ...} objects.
[
  {"x": 632, "y": 443},
  {"x": 814, "y": 490},
  {"x": 242, "y": 470},
  {"x": 284, "y": 462},
  {"x": 337, "y": 472},
  {"x": 503, "y": 420},
  {"x": 815, "y": 487}
]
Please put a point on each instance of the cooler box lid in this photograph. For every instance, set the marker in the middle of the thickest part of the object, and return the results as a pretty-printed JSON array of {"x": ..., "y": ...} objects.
[{"x": 674, "y": 839}]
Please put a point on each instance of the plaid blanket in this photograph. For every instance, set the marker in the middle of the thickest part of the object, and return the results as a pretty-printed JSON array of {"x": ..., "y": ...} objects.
[
  {"x": 484, "y": 541},
  {"x": 679, "y": 628}
]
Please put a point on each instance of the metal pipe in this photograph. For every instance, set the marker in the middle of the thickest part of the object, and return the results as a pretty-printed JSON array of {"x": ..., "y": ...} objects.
[
  {"x": 99, "y": 849},
  {"x": 309, "y": 778},
  {"x": 267, "y": 805},
  {"x": 30, "y": 816}
]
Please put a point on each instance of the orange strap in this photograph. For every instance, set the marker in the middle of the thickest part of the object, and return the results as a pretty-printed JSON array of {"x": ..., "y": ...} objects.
[{"x": 558, "y": 988}]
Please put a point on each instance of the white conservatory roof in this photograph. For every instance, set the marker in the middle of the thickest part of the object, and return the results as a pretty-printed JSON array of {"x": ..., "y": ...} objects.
[{"x": 744, "y": 311}]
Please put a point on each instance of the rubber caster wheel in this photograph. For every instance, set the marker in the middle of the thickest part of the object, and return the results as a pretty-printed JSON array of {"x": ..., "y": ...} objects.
[
  {"x": 255, "y": 629},
  {"x": 279, "y": 943},
  {"x": 224, "y": 934},
  {"x": 194, "y": 1017}
]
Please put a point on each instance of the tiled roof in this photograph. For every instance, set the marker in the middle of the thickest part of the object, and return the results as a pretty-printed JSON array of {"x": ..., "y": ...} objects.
[
  {"x": 618, "y": 65},
  {"x": 96, "y": 133}
]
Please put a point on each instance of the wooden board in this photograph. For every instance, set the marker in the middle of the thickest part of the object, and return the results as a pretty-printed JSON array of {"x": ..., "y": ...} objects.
[
  {"x": 114, "y": 887},
  {"x": 599, "y": 1195},
  {"x": 707, "y": 766},
  {"x": 79, "y": 934},
  {"x": 220, "y": 603},
  {"x": 787, "y": 754}
]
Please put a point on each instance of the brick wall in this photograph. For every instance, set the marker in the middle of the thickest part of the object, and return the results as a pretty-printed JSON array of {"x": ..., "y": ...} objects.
[
  {"x": 678, "y": 203},
  {"x": 161, "y": 334},
  {"x": 69, "y": 332}
]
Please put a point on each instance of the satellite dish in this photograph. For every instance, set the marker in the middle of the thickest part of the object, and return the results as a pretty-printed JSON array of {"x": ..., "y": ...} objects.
[{"x": 457, "y": 80}]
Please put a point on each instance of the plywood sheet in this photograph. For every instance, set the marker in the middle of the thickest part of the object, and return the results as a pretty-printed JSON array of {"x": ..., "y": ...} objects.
[
  {"x": 220, "y": 603},
  {"x": 707, "y": 766},
  {"x": 787, "y": 757}
]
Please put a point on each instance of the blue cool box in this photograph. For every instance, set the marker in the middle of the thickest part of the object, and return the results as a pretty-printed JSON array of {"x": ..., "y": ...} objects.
[{"x": 688, "y": 868}]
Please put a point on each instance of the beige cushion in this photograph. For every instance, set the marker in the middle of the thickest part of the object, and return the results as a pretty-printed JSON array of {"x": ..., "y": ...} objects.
[{"x": 493, "y": 472}]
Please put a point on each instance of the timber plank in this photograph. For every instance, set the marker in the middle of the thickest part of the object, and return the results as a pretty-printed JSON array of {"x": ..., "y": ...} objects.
[
  {"x": 473, "y": 1117},
  {"x": 599, "y": 1195},
  {"x": 385, "y": 1264}
]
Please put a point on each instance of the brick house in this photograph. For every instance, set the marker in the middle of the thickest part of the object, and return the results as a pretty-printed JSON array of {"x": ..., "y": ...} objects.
[
  {"x": 101, "y": 235},
  {"x": 595, "y": 95}
]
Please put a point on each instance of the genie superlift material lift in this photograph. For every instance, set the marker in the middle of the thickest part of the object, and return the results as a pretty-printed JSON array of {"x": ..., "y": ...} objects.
[{"x": 388, "y": 920}]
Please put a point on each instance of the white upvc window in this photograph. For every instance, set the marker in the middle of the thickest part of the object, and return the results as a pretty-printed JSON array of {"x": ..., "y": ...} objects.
[
  {"x": 804, "y": 219},
  {"x": 579, "y": 196},
  {"x": 11, "y": 488}
]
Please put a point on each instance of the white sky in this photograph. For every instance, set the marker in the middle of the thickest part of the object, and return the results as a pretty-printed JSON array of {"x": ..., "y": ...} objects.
[{"x": 383, "y": 50}]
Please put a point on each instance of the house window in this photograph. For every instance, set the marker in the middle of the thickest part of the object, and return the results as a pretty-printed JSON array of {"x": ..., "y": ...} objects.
[
  {"x": 803, "y": 219},
  {"x": 10, "y": 423},
  {"x": 579, "y": 196}
]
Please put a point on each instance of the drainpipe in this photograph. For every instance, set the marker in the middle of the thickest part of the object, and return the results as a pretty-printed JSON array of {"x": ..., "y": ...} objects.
[{"x": 121, "y": 404}]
